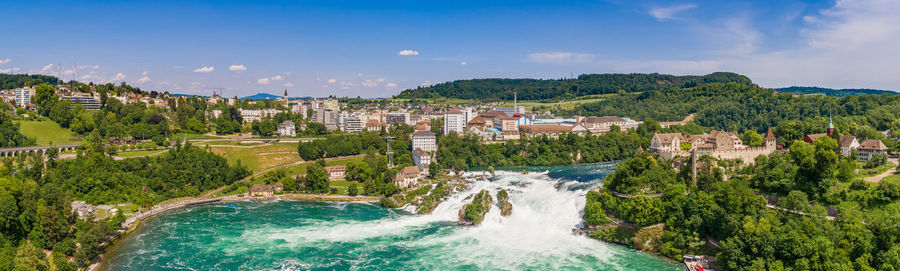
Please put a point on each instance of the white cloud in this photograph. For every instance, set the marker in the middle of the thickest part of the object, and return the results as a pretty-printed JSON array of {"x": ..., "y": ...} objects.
[
  {"x": 9, "y": 70},
  {"x": 390, "y": 85},
  {"x": 463, "y": 64},
  {"x": 852, "y": 44},
  {"x": 332, "y": 81},
  {"x": 369, "y": 83},
  {"x": 144, "y": 79},
  {"x": 4, "y": 61},
  {"x": 237, "y": 68},
  {"x": 266, "y": 80},
  {"x": 425, "y": 83},
  {"x": 92, "y": 67},
  {"x": 288, "y": 84},
  {"x": 47, "y": 68},
  {"x": 560, "y": 58},
  {"x": 205, "y": 69},
  {"x": 408, "y": 52},
  {"x": 668, "y": 13},
  {"x": 346, "y": 85},
  {"x": 118, "y": 77},
  {"x": 145, "y": 73}
]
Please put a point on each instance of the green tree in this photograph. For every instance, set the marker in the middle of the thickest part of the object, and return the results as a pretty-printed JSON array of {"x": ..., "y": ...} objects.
[
  {"x": 752, "y": 138},
  {"x": 316, "y": 179}
]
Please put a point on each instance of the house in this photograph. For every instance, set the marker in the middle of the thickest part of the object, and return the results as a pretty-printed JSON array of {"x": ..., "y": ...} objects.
[
  {"x": 421, "y": 159},
  {"x": 373, "y": 125},
  {"x": 602, "y": 123},
  {"x": 848, "y": 144},
  {"x": 278, "y": 187},
  {"x": 869, "y": 148},
  {"x": 668, "y": 142},
  {"x": 424, "y": 140},
  {"x": 811, "y": 138},
  {"x": 336, "y": 172},
  {"x": 397, "y": 118},
  {"x": 262, "y": 190},
  {"x": 287, "y": 128},
  {"x": 407, "y": 177},
  {"x": 478, "y": 122}
]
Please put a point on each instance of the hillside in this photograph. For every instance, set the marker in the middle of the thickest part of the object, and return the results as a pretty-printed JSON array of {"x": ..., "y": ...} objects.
[
  {"x": 834, "y": 92},
  {"x": 10, "y": 81},
  {"x": 585, "y": 84}
]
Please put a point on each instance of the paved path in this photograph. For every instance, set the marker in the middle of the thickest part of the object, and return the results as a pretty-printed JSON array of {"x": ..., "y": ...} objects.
[{"x": 889, "y": 172}]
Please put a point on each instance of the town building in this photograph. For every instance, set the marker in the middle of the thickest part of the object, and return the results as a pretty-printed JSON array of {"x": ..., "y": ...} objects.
[
  {"x": 262, "y": 190},
  {"x": 336, "y": 172},
  {"x": 424, "y": 140},
  {"x": 407, "y": 177},
  {"x": 23, "y": 96},
  {"x": 454, "y": 121},
  {"x": 848, "y": 144},
  {"x": 287, "y": 128},
  {"x": 251, "y": 115},
  {"x": 421, "y": 159},
  {"x": 552, "y": 130},
  {"x": 509, "y": 111},
  {"x": 88, "y": 102},
  {"x": 718, "y": 144},
  {"x": 327, "y": 117},
  {"x": 396, "y": 118},
  {"x": 374, "y": 125},
  {"x": 869, "y": 148},
  {"x": 504, "y": 123},
  {"x": 353, "y": 125}
]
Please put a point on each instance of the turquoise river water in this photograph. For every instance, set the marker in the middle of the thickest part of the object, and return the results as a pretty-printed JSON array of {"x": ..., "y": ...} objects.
[{"x": 290, "y": 235}]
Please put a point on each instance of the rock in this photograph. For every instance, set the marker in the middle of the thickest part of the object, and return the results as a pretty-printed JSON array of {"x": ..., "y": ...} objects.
[
  {"x": 503, "y": 202},
  {"x": 473, "y": 213}
]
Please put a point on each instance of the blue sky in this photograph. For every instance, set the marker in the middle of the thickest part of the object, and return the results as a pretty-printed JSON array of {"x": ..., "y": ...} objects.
[{"x": 376, "y": 49}]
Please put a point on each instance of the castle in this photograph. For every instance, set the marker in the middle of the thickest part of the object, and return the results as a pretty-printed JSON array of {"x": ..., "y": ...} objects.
[{"x": 719, "y": 144}]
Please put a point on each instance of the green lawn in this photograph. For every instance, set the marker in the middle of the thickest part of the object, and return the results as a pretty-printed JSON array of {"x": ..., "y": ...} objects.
[
  {"x": 128, "y": 154},
  {"x": 257, "y": 157},
  {"x": 46, "y": 132},
  {"x": 893, "y": 178}
]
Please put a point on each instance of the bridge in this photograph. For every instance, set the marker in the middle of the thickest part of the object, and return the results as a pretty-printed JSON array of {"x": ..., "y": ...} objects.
[{"x": 9, "y": 152}]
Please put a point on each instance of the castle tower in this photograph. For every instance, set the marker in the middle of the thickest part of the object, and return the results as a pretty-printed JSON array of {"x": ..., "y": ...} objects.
[
  {"x": 769, "y": 140},
  {"x": 830, "y": 129}
]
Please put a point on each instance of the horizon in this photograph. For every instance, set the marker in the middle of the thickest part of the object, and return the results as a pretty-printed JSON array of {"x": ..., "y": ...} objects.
[{"x": 376, "y": 50}]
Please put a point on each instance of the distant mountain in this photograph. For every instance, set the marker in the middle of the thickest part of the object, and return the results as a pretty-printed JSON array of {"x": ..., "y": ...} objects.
[
  {"x": 834, "y": 92},
  {"x": 585, "y": 84},
  {"x": 261, "y": 96}
]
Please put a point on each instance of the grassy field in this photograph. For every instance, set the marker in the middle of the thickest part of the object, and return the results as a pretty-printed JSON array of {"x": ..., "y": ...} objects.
[
  {"x": 893, "y": 178},
  {"x": 47, "y": 132},
  {"x": 128, "y": 154},
  {"x": 257, "y": 157},
  {"x": 562, "y": 104}
]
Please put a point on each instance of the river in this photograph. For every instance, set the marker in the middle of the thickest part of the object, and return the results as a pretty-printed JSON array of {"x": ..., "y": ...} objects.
[{"x": 292, "y": 235}]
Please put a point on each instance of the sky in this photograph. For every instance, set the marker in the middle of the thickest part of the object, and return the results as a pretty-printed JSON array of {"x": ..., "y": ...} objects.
[{"x": 377, "y": 49}]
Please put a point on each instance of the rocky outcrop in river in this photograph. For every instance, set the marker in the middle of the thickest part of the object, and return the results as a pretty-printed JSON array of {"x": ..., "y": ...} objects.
[
  {"x": 473, "y": 213},
  {"x": 503, "y": 202}
]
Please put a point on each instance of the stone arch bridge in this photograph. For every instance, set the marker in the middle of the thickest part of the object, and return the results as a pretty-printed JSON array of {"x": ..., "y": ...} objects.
[{"x": 10, "y": 152}]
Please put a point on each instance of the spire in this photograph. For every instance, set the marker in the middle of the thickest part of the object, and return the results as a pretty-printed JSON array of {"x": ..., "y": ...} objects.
[
  {"x": 285, "y": 93},
  {"x": 830, "y": 130},
  {"x": 769, "y": 135}
]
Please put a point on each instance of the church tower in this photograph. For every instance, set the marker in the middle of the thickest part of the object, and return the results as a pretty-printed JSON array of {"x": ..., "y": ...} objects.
[{"x": 830, "y": 129}]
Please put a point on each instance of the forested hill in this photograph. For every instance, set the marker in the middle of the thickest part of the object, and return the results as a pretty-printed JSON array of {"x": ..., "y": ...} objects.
[
  {"x": 834, "y": 92},
  {"x": 585, "y": 84},
  {"x": 10, "y": 81}
]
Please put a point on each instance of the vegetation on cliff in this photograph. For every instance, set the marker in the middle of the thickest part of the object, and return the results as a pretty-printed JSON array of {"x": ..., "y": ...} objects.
[
  {"x": 473, "y": 213},
  {"x": 503, "y": 202}
]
